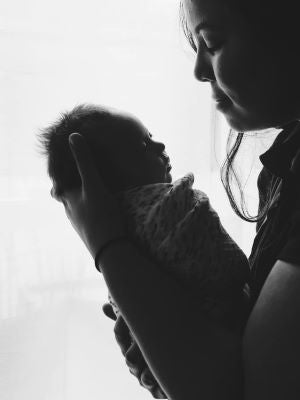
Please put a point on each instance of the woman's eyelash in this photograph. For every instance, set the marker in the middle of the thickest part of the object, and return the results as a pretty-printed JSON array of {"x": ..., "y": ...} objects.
[
  {"x": 213, "y": 49},
  {"x": 210, "y": 49}
]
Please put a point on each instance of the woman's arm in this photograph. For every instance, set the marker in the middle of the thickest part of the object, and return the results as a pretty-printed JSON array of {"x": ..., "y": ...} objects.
[
  {"x": 190, "y": 356},
  {"x": 271, "y": 342},
  {"x": 271, "y": 346},
  {"x": 133, "y": 355}
]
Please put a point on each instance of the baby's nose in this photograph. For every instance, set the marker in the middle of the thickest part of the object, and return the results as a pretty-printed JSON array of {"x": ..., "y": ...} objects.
[{"x": 158, "y": 147}]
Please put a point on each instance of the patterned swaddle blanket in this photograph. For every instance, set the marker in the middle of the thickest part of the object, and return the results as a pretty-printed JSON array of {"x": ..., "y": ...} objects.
[{"x": 176, "y": 227}]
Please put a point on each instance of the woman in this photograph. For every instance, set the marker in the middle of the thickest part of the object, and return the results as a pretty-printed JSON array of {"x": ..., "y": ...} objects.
[{"x": 248, "y": 52}]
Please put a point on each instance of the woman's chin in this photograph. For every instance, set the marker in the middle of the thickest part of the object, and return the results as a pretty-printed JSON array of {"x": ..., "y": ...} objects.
[
  {"x": 236, "y": 124},
  {"x": 232, "y": 114},
  {"x": 240, "y": 121}
]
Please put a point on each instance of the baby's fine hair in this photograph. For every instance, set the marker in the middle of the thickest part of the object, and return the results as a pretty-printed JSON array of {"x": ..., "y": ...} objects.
[{"x": 86, "y": 119}]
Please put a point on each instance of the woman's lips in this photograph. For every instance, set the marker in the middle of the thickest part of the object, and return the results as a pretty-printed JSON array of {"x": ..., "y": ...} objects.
[
  {"x": 219, "y": 99},
  {"x": 222, "y": 102},
  {"x": 219, "y": 96}
]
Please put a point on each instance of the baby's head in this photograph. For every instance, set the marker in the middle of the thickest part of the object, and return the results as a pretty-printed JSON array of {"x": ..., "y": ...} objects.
[{"x": 123, "y": 150}]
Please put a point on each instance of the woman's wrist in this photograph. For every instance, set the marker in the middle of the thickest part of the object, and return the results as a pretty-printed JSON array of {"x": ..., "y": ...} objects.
[{"x": 108, "y": 245}]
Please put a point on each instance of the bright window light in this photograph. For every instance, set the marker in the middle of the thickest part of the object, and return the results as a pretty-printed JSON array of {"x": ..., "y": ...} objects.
[{"x": 55, "y": 342}]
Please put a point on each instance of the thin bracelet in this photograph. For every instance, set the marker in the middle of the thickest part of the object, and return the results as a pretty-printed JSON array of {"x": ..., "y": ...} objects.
[{"x": 105, "y": 246}]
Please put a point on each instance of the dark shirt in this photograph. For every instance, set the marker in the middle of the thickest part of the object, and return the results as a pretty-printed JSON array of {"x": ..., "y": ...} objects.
[{"x": 278, "y": 236}]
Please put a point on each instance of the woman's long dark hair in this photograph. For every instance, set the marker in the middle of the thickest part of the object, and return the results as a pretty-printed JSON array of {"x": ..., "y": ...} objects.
[
  {"x": 230, "y": 179},
  {"x": 229, "y": 176}
]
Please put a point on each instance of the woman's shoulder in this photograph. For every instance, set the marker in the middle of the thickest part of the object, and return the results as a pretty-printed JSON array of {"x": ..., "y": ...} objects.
[{"x": 278, "y": 236}]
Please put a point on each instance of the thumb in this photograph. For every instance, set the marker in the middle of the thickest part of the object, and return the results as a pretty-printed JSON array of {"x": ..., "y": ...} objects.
[
  {"x": 108, "y": 311},
  {"x": 83, "y": 158}
]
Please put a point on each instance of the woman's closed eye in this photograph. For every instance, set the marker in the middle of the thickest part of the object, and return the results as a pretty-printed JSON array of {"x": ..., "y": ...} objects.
[
  {"x": 210, "y": 42},
  {"x": 212, "y": 46},
  {"x": 213, "y": 49}
]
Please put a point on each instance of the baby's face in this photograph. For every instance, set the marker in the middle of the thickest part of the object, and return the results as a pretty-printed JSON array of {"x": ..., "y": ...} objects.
[{"x": 140, "y": 159}]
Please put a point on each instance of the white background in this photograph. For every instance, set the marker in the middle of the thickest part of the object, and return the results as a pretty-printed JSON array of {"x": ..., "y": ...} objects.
[{"x": 55, "y": 342}]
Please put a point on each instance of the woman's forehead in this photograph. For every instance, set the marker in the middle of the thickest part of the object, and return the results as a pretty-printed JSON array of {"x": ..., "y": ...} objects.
[{"x": 205, "y": 12}]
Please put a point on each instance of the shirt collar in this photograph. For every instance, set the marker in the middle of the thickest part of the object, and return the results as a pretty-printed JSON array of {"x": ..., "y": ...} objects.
[{"x": 279, "y": 157}]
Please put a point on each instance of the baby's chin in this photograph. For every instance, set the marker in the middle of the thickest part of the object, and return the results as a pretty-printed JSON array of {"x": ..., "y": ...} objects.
[
  {"x": 165, "y": 178},
  {"x": 168, "y": 177}
]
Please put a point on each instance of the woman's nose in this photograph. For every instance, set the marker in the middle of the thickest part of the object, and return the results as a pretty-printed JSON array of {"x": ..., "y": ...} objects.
[{"x": 203, "y": 70}]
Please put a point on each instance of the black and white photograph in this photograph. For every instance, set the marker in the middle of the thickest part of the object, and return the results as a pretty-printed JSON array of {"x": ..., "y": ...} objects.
[{"x": 149, "y": 200}]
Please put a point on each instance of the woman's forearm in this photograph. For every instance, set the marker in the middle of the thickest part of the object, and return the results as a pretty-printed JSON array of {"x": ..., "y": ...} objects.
[{"x": 191, "y": 357}]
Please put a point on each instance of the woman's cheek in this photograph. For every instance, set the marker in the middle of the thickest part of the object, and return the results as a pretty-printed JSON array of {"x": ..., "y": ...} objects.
[
  {"x": 228, "y": 75},
  {"x": 235, "y": 73}
]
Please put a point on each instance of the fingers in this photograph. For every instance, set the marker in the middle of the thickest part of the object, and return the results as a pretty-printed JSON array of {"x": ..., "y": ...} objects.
[
  {"x": 133, "y": 356},
  {"x": 138, "y": 367},
  {"x": 135, "y": 360},
  {"x": 149, "y": 382},
  {"x": 158, "y": 393},
  {"x": 122, "y": 334},
  {"x": 109, "y": 311},
  {"x": 83, "y": 158},
  {"x": 147, "y": 379}
]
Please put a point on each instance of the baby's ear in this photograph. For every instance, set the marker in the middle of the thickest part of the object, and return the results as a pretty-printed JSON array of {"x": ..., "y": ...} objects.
[{"x": 55, "y": 193}]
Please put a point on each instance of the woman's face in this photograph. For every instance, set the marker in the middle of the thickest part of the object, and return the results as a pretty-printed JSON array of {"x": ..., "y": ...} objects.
[{"x": 255, "y": 86}]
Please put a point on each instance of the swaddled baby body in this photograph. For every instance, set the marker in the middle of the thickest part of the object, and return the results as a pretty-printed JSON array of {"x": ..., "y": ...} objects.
[
  {"x": 176, "y": 226},
  {"x": 172, "y": 222}
]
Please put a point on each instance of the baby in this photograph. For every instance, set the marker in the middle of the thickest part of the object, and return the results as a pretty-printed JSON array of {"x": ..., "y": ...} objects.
[{"x": 172, "y": 223}]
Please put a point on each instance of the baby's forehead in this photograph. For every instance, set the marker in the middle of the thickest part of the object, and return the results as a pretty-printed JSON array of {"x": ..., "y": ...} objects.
[
  {"x": 120, "y": 128},
  {"x": 126, "y": 126}
]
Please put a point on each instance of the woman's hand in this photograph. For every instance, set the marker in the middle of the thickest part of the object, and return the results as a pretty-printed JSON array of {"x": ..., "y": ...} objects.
[
  {"x": 92, "y": 210},
  {"x": 133, "y": 355}
]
